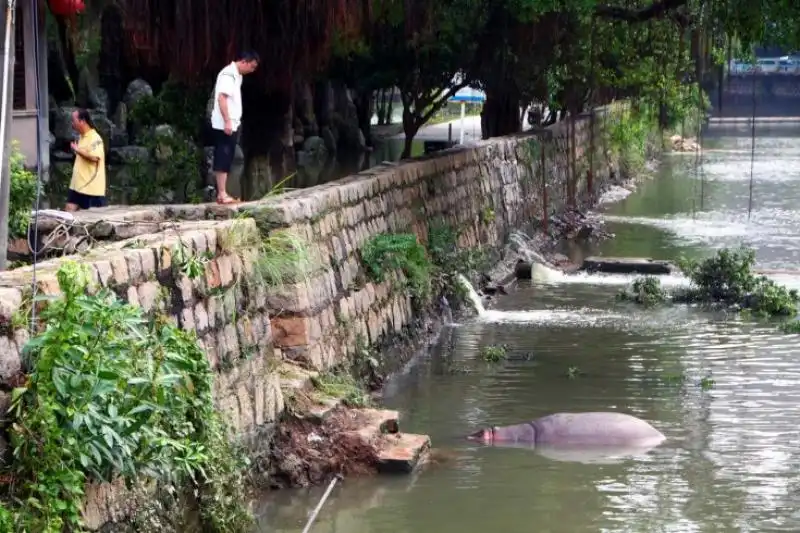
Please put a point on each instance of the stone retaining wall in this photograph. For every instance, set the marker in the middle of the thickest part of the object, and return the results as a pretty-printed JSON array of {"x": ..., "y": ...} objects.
[{"x": 249, "y": 330}]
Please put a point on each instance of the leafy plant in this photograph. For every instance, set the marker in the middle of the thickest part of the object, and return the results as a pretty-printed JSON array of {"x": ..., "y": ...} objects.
[
  {"x": 449, "y": 260},
  {"x": 728, "y": 278},
  {"x": 112, "y": 394},
  {"x": 494, "y": 353},
  {"x": 22, "y": 195},
  {"x": 399, "y": 251},
  {"x": 282, "y": 256},
  {"x": 646, "y": 291},
  {"x": 341, "y": 385},
  {"x": 628, "y": 136},
  {"x": 189, "y": 263}
]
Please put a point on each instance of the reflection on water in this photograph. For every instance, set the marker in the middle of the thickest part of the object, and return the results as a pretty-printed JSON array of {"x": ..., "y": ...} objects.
[{"x": 731, "y": 462}]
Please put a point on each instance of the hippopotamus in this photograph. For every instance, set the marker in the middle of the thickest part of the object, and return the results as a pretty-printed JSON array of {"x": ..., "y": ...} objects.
[{"x": 562, "y": 434}]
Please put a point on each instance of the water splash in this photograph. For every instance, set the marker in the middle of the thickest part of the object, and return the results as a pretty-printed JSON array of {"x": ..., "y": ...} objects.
[{"x": 472, "y": 297}]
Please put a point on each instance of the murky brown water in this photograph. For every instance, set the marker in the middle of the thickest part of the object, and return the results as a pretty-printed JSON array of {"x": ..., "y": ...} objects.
[{"x": 726, "y": 392}]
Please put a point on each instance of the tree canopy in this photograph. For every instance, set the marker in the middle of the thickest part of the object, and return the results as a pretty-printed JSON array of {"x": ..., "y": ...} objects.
[{"x": 566, "y": 54}]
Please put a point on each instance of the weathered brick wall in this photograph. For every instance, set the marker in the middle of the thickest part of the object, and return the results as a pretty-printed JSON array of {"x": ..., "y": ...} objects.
[{"x": 247, "y": 330}]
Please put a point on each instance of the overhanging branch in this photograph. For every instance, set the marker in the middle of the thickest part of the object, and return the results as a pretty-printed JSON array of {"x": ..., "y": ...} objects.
[{"x": 655, "y": 10}]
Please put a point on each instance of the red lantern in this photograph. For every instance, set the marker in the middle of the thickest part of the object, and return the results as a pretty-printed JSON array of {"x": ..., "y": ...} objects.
[{"x": 66, "y": 8}]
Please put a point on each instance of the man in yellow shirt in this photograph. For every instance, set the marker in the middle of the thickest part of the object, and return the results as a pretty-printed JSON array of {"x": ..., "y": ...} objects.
[{"x": 88, "y": 186}]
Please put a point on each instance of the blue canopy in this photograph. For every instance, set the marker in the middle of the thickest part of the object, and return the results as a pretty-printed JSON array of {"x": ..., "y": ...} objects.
[{"x": 468, "y": 94}]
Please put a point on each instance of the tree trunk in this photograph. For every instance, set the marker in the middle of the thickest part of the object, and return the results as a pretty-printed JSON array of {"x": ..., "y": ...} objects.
[
  {"x": 381, "y": 107},
  {"x": 500, "y": 115},
  {"x": 390, "y": 106},
  {"x": 363, "y": 102},
  {"x": 411, "y": 125}
]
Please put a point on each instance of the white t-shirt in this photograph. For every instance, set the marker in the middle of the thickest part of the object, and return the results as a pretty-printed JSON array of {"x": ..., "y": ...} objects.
[{"x": 229, "y": 82}]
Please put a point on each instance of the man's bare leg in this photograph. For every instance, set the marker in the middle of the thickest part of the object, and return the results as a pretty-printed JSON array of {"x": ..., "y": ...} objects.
[
  {"x": 222, "y": 182},
  {"x": 70, "y": 208}
]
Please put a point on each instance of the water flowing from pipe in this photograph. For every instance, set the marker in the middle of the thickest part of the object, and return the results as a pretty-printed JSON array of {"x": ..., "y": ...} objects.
[{"x": 472, "y": 296}]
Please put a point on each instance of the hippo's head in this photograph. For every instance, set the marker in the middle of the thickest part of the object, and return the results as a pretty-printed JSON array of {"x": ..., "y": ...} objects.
[
  {"x": 485, "y": 435},
  {"x": 503, "y": 435}
]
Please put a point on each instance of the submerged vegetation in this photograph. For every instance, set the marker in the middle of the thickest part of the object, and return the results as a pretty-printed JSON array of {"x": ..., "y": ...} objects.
[
  {"x": 646, "y": 291},
  {"x": 494, "y": 353},
  {"x": 113, "y": 394},
  {"x": 727, "y": 279}
]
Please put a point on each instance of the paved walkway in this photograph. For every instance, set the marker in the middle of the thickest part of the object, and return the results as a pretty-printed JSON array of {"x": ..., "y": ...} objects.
[{"x": 438, "y": 132}]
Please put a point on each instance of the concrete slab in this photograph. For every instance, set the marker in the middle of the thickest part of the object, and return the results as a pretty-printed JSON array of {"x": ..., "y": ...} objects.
[
  {"x": 628, "y": 265},
  {"x": 403, "y": 453}
]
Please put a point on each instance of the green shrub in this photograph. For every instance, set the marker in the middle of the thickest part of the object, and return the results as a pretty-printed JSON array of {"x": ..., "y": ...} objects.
[
  {"x": 646, "y": 291},
  {"x": 494, "y": 353},
  {"x": 399, "y": 251},
  {"x": 22, "y": 197},
  {"x": 113, "y": 394},
  {"x": 728, "y": 278}
]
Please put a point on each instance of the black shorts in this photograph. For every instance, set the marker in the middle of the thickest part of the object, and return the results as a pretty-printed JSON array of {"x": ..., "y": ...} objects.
[
  {"x": 224, "y": 150},
  {"x": 85, "y": 201}
]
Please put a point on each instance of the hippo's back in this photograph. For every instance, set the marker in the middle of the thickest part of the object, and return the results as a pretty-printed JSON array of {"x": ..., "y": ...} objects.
[{"x": 597, "y": 428}]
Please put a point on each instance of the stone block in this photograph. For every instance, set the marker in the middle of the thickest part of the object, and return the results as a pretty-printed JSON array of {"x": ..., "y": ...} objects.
[
  {"x": 187, "y": 320},
  {"x": 134, "y": 262},
  {"x": 403, "y": 453},
  {"x": 232, "y": 341},
  {"x": 104, "y": 272},
  {"x": 119, "y": 269},
  {"x": 295, "y": 331},
  {"x": 10, "y": 363},
  {"x": 186, "y": 288},
  {"x": 225, "y": 268},
  {"x": 164, "y": 261},
  {"x": 212, "y": 275},
  {"x": 147, "y": 258},
  {"x": 132, "y": 296},
  {"x": 247, "y": 417},
  {"x": 200, "y": 318},
  {"x": 10, "y": 302}
]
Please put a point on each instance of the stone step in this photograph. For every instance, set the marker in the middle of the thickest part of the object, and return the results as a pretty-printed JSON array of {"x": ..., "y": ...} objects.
[
  {"x": 628, "y": 265},
  {"x": 403, "y": 453}
]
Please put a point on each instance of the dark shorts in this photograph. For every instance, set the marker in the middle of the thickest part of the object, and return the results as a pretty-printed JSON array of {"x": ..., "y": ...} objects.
[
  {"x": 85, "y": 201},
  {"x": 224, "y": 150}
]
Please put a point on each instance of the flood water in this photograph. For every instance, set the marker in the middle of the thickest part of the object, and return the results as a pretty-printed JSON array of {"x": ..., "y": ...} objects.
[{"x": 725, "y": 391}]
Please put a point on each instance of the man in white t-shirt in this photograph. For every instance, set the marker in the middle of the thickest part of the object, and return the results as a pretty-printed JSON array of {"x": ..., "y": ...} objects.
[{"x": 226, "y": 118}]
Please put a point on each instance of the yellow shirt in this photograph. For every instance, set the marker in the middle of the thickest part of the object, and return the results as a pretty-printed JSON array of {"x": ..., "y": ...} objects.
[{"x": 87, "y": 177}]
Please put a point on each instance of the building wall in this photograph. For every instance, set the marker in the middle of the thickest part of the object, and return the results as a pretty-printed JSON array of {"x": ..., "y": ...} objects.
[{"x": 23, "y": 125}]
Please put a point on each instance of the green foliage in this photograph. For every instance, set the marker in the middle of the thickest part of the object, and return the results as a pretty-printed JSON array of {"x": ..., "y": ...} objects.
[
  {"x": 725, "y": 279},
  {"x": 449, "y": 260},
  {"x": 728, "y": 278},
  {"x": 177, "y": 104},
  {"x": 494, "y": 353},
  {"x": 177, "y": 175},
  {"x": 22, "y": 196},
  {"x": 342, "y": 385},
  {"x": 792, "y": 326},
  {"x": 628, "y": 136},
  {"x": 646, "y": 291},
  {"x": 399, "y": 251},
  {"x": 113, "y": 394},
  {"x": 282, "y": 256}
]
